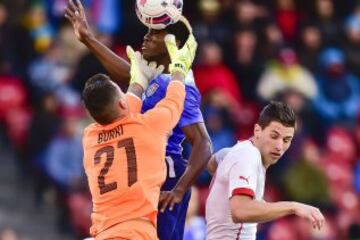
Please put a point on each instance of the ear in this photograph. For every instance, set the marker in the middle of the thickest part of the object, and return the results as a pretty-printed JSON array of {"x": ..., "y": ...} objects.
[
  {"x": 257, "y": 131},
  {"x": 122, "y": 103}
]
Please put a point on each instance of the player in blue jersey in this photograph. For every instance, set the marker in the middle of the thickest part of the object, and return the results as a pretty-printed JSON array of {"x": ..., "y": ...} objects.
[{"x": 175, "y": 193}]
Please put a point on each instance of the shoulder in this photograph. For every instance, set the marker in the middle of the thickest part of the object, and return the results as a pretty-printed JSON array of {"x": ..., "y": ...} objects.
[
  {"x": 221, "y": 154},
  {"x": 247, "y": 146},
  {"x": 243, "y": 152}
]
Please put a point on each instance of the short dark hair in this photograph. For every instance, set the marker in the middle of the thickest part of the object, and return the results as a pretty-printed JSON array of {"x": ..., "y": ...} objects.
[
  {"x": 99, "y": 95},
  {"x": 278, "y": 112},
  {"x": 180, "y": 31}
]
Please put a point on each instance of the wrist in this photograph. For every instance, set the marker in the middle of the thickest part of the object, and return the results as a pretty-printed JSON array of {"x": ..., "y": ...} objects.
[
  {"x": 88, "y": 39},
  {"x": 179, "y": 190},
  {"x": 136, "y": 89},
  {"x": 177, "y": 75},
  {"x": 141, "y": 83},
  {"x": 292, "y": 207},
  {"x": 175, "y": 68}
]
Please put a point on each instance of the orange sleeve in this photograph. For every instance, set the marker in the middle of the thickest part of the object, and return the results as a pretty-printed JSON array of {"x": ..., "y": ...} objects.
[
  {"x": 166, "y": 113},
  {"x": 134, "y": 102}
]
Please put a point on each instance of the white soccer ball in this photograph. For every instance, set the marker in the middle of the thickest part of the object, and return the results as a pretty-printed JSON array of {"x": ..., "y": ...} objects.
[{"x": 157, "y": 14}]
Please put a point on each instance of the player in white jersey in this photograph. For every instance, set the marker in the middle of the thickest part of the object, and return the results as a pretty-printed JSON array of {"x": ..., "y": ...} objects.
[{"x": 235, "y": 204}]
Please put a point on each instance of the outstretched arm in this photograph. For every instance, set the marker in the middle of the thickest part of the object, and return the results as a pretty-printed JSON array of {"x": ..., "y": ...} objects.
[
  {"x": 117, "y": 67},
  {"x": 245, "y": 209}
]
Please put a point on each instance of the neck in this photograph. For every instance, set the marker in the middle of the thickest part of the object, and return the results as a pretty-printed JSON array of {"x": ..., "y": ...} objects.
[
  {"x": 120, "y": 115},
  {"x": 116, "y": 116},
  {"x": 256, "y": 144},
  {"x": 163, "y": 60}
]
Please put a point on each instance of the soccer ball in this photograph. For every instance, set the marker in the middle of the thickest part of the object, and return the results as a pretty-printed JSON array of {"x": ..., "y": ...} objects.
[{"x": 157, "y": 14}]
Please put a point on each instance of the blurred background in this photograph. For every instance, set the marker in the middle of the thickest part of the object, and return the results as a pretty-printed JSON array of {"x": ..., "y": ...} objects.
[{"x": 306, "y": 53}]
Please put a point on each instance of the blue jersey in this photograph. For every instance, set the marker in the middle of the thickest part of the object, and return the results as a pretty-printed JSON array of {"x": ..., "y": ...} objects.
[{"x": 190, "y": 115}]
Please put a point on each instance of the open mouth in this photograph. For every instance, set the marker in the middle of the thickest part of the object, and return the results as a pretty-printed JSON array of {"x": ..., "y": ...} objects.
[
  {"x": 277, "y": 155},
  {"x": 145, "y": 45}
]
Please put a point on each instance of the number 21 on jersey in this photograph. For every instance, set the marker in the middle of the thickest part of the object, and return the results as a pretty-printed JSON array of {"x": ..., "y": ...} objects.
[{"x": 109, "y": 152}]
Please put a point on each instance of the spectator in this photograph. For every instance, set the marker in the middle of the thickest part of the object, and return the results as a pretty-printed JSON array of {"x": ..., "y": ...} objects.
[
  {"x": 310, "y": 46},
  {"x": 306, "y": 182},
  {"x": 339, "y": 94},
  {"x": 64, "y": 156},
  {"x": 286, "y": 73},
  {"x": 220, "y": 132},
  {"x": 43, "y": 127},
  {"x": 274, "y": 40},
  {"x": 287, "y": 18},
  {"x": 211, "y": 73},
  {"x": 49, "y": 71},
  {"x": 41, "y": 30},
  {"x": 64, "y": 167},
  {"x": 325, "y": 19},
  {"x": 249, "y": 14},
  {"x": 211, "y": 27},
  {"x": 309, "y": 122},
  {"x": 246, "y": 62}
]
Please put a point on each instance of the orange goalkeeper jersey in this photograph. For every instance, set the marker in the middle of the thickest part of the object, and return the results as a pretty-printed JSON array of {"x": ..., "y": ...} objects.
[{"x": 125, "y": 161}]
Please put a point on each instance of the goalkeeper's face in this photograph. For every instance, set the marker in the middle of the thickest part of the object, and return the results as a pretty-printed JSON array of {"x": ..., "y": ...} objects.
[{"x": 153, "y": 48}]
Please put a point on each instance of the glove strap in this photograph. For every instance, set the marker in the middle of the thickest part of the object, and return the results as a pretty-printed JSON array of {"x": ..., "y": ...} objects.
[{"x": 178, "y": 67}]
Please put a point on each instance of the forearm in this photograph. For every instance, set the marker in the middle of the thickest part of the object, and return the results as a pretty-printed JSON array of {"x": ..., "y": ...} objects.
[
  {"x": 256, "y": 211},
  {"x": 177, "y": 76},
  {"x": 117, "y": 67},
  {"x": 199, "y": 157},
  {"x": 174, "y": 97}
]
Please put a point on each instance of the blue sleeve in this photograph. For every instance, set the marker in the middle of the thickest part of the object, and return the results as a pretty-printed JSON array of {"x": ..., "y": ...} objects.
[{"x": 191, "y": 113}]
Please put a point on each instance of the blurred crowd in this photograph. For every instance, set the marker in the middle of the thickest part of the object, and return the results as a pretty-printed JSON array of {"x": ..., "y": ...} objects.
[{"x": 306, "y": 53}]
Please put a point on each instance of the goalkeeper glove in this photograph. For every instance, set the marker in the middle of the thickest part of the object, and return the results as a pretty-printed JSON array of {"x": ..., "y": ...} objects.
[
  {"x": 141, "y": 72},
  {"x": 181, "y": 59}
]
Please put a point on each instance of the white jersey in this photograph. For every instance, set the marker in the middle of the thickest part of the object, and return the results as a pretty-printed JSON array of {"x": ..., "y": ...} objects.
[{"x": 240, "y": 172}]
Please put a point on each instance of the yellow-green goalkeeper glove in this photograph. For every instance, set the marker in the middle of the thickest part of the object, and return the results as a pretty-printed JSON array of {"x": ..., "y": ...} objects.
[
  {"x": 141, "y": 72},
  {"x": 181, "y": 59}
]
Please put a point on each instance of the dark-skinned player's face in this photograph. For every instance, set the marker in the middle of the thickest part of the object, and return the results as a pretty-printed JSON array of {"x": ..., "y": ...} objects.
[{"x": 153, "y": 46}]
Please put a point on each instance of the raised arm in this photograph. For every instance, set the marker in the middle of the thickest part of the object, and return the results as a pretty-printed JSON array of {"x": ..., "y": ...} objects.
[
  {"x": 141, "y": 72},
  {"x": 117, "y": 67},
  {"x": 166, "y": 113}
]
